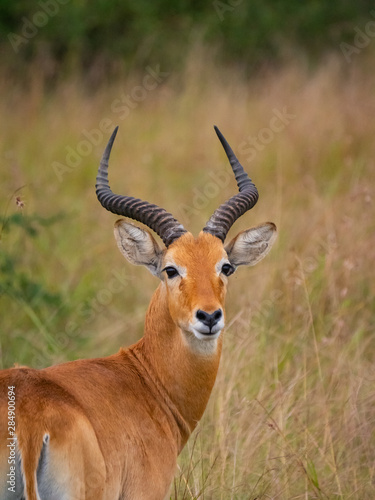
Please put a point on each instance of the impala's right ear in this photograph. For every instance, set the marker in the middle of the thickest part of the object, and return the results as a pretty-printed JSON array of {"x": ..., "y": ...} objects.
[{"x": 138, "y": 246}]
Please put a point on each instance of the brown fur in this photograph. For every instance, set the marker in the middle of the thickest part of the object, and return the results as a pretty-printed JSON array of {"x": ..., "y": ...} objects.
[
  {"x": 113, "y": 427},
  {"x": 121, "y": 421}
]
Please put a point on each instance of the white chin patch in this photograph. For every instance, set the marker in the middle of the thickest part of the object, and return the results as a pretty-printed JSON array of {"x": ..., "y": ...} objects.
[{"x": 199, "y": 338}]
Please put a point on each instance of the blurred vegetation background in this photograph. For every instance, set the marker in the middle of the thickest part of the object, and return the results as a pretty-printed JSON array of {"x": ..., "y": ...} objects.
[
  {"x": 102, "y": 38},
  {"x": 292, "y": 87}
]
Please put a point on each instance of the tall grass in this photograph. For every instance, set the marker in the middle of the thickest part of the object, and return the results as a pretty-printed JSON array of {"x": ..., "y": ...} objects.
[{"x": 292, "y": 414}]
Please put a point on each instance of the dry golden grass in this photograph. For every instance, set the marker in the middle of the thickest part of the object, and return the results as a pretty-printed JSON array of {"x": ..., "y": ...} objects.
[{"x": 292, "y": 415}]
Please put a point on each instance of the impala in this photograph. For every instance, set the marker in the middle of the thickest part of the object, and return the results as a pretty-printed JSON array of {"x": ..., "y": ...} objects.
[{"x": 112, "y": 428}]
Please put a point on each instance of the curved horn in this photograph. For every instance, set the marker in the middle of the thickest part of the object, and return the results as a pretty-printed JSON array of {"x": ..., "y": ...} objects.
[
  {"x": 226, "y": 215},
  {"x": 156, "y": 218}
]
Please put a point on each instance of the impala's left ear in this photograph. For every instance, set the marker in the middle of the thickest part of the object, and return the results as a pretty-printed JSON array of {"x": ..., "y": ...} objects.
[{"x": 250, "y": 246}]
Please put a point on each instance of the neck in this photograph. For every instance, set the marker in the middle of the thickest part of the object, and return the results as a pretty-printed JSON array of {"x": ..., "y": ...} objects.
[{"x": 185, "y": 372}]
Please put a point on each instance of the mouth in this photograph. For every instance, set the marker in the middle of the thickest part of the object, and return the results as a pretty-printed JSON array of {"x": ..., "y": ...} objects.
[{"x": 203, "y": 332}]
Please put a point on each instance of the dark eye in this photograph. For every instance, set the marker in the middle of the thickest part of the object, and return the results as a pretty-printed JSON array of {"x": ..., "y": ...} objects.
[
  {"x": 171, "y": 272},
  {"x": 227, "y": 269}
]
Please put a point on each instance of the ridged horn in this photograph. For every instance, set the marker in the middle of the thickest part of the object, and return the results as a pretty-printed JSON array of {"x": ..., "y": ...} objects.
[
  {"x": 156, "y": 218},
  {"x": 226, "y": 215}
]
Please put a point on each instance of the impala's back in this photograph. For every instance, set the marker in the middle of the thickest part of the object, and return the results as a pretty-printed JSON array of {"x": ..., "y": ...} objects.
[{"x": 112, "y": 428}]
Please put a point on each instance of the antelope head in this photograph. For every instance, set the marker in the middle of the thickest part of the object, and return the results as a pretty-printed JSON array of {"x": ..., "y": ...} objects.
[{"x": 193, "y": 271}]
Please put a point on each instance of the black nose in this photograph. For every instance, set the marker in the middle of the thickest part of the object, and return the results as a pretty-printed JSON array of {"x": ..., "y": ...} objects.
[{"x": 207, "y": 319}]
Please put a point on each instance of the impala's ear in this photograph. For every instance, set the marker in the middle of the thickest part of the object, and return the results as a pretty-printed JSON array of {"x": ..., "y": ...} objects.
[
  {"x": 138, "y": 246},
  {"x": 250, "y": 246}
]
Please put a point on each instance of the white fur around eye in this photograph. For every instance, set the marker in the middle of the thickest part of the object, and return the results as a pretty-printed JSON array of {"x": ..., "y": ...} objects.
[
  {"x": 220, "y": 264},
  {"x": 181, "y": 270}
]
